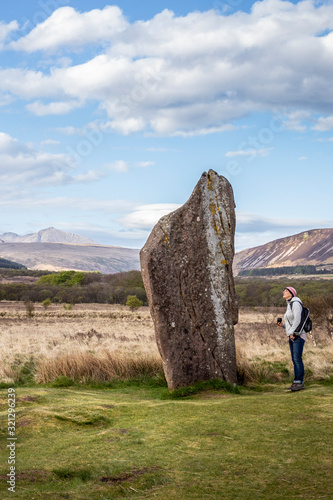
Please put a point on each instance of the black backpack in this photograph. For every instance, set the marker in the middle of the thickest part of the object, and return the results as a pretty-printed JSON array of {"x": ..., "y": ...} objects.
[{"x": 306, "y": 323}]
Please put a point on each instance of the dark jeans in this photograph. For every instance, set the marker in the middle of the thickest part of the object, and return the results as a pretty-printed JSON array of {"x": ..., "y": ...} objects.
[{"x": 296, "y": 349}]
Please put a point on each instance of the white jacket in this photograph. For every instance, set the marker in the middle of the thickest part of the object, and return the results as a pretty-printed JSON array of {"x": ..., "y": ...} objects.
[{"x": 293, "y": 315}]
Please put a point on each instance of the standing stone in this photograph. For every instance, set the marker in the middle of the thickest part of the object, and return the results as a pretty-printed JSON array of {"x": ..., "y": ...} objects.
[{"x": 186, "y": 266}]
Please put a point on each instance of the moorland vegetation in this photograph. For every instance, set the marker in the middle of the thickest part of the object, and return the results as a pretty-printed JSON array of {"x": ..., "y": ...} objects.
[{"x": 94, "y": 417}]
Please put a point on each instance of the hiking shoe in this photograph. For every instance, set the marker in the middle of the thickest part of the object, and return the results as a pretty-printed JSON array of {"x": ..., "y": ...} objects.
[
  {"x": 297, "y": 387},
  {"x": 292, "y": 386}
]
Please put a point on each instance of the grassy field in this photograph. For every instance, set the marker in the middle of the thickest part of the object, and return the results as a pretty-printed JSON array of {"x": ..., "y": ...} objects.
[
  {"x": 111, "y": 431},
  {"x": 99, "y": 342},
  {"x": 128, "y": 442}
]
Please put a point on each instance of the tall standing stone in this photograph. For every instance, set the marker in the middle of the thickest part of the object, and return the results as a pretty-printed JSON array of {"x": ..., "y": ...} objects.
[{"x": 187, "y": 272}]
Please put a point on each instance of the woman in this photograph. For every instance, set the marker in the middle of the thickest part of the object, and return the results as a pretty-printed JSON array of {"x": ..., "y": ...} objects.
[{"x": 292, "y": 319}]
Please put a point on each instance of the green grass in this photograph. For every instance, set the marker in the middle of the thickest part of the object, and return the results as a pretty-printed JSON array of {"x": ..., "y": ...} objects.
[{"x": 128, "y": 442}]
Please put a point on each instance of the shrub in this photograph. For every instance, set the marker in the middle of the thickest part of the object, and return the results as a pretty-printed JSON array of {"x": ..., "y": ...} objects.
[
  {"x": 29, "y": 308},
  {"x": 321, "y": 310},
  {"x": 67, "y": 307},
  {"x": 46, "y": 303},
  {"x": 24, "y": 371},
  {"x": 64, "y": 278},
  {"x": 133, "y": 302}
]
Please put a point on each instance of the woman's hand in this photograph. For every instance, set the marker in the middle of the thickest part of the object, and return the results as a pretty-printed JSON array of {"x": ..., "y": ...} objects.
[{"x": 292, "y": 337}]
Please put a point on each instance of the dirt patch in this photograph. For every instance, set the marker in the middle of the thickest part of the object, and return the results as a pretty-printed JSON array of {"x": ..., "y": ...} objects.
[
  {"x": 32, "y": 475},
  {"x": 24, "y": 422},
  {"x": 128, "y": 476},
  {"x": 107, "y": 406},
  {"x": 29, "y": 399},
  {"x": 118, "y": 431}
]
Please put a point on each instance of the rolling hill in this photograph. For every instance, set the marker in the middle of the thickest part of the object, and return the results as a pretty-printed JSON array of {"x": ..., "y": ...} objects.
[
  {"x": 314, "y": 247},
  {"x": 79, "y": 257},
  {"x": 54, "y": 250}
]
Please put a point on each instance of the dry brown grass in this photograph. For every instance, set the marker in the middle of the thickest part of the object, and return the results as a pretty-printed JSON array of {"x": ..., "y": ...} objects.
[
  {"x": 90, "y": 338},
  {"x": 100, "y": 367},
  {"x": 104, "y": 342},
  {"x": 263, "y": 350}
]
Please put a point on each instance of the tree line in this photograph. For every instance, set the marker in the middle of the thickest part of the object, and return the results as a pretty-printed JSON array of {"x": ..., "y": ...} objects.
[
  {"x": 278, "y": 271},
  {"x": 74, "y": 287},
  {"x": 9, "y": 264},
  {"x": 255, "y": 292}
]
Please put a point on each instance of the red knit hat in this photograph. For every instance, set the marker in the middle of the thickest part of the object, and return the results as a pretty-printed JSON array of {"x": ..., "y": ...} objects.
[{"x": 291, "y": 290}]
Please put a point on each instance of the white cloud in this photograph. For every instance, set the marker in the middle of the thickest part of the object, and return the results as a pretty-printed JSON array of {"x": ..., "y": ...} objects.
[
  {"x": 302, "y": 158},
  {"x": 59, "y": 202},
  {"x": 146, "y": 216},
  {"x": 50, "y": 142},
  {"x": 249, "y": 222},
  {"x": 118, "y": 166},
  {"x": 127, "y": 126},
  {"x": 66, "y": 27},
  {"x": 253, "y": 230},
  {"x": 205, "y": 131},
  {"x": 6, "y": 29},
  {"x": 6, "y": 99},
  {"x": 23, "y": 165},
  {"x": 53, "y": 108},
  {"x": 295, "y": 120},
  {"x": 249, "y": 152},
  {"x": 186, "y": 75},
  {"x": 324, "y": 123},
  {"x": 122, "y": 166},
  {"x": 11, "y": 146}
]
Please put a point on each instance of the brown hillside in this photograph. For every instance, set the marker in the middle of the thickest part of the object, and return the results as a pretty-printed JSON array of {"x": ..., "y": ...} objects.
[
  {"x": 79, "y": 257},
  {"x": 313, "y": 247}
]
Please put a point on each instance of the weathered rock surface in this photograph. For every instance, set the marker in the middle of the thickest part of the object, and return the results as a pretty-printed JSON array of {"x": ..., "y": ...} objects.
[{"x": 186, "y": 265}]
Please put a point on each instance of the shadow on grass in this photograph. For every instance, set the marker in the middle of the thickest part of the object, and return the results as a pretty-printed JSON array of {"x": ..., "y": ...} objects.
[
  {"x": 215, "y": 384},
  {"x": 66, "y": 473}
]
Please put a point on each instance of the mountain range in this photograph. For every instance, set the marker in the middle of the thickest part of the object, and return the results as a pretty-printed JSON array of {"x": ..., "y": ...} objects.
[
  {"x": 54, "y": 250},
  {"x": 314, "y": 247},
  {"x": 49, "y": 235}
]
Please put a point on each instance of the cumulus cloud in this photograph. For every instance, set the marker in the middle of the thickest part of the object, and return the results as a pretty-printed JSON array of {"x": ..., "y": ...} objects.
[
  {"x": 253, "y": 223},
  {"x": 66, "y": 27},
  {"x": 23, "y": 165},
  {"x": 186, "y": 75},
  {"x": 11, "y": 146},
  {"x": 296, "y": 120},
  {"x": 146, "y": 216},
  {"x": 324, "y": 123},
  {"x": 253, "y": 230}
]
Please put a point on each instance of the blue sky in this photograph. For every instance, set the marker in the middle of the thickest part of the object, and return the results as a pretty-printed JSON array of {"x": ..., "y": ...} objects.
[{"x": 109, "y": 113}]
